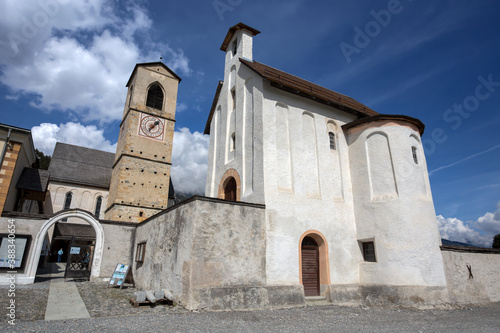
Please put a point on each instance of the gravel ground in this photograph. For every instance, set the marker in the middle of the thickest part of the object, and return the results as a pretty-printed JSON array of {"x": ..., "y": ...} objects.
[
  {"x": 319, "y": 319},
  {"x": 105, "y": 302},
  {"x": 30, "y": 300},
  {"x": 111, "y": 311}
]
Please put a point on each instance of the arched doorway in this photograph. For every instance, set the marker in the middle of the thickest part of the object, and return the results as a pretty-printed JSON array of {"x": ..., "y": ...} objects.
[
  {"x": 230, "y": 186},
  {"x": 78, "y": 213},
  {"x": 230, "y": 190},
  {"x": 314, "y": 263},
  {"x": 310, "y": 266}
]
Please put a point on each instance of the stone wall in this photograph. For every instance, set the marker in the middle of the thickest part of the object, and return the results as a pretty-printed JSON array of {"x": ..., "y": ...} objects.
[
  {"x": 23, "y": 227},
  {"x": 9, "y": 175},
  {"x": 211, "y": 254},
  {"x": 118, "y": 246},
  {"x": 480, "y": 284}
]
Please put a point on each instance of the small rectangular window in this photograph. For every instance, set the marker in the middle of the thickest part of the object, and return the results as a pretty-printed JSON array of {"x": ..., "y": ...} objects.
[
  {"x": 233, "y": 98},
  {"x": 414, "y": 153},
  {"x": 332, "y": 140},
  {"x": 141, "y": 251},
  {"x": 369, "y": 251},
  {"x": 235, "y": 47}
]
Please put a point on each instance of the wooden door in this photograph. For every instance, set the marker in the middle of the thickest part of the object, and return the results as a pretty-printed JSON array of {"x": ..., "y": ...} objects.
[
  {"x": 310, "y": 270},
  {"x": 230, "y": 190}
]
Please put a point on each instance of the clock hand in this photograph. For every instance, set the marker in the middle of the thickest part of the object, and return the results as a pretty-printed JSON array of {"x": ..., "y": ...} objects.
[{"x": 153, "y": 125}]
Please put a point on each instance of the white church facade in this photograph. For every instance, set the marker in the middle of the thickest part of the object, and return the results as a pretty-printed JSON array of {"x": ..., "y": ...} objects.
[
  {"x": 309, "y": 195},
  {"x": 331, "y": 173}
]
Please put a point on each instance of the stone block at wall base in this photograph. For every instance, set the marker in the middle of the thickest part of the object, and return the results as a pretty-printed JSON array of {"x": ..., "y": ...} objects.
[
  {"x": 246, "y": 297},
  {"x": 388, "y": 296}
]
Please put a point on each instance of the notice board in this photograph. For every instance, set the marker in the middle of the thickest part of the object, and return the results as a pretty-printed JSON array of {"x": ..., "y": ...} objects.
[{"x": 119, "y": 275}]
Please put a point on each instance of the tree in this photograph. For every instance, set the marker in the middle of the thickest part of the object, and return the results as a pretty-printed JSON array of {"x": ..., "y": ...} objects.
[
  {"x": 44, "y": 160},
  {"x": 496, "y": 242}
]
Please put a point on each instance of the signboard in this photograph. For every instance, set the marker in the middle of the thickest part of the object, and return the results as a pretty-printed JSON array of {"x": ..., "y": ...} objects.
[
  {"x": 17, "y": 246},
  {"x": 119, "y": 275},
  {"x": 75, "y": 250}
]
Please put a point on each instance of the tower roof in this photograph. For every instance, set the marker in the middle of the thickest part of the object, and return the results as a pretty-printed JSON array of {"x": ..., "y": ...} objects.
[
  {"x": 156, "y": 63},
  {"x": 231, "y": 32}
]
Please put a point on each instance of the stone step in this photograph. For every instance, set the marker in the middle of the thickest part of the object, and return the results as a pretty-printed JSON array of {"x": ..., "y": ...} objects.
[{"x": 316, "y": 301}]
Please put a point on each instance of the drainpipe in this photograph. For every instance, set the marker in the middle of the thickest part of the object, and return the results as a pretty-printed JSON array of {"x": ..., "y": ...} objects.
[{"x": 4, "y": 150}]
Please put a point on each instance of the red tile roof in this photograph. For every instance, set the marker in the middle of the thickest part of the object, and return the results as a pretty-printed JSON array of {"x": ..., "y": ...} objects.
[
  {"x": 296, "y": 85},
  {"x": 231, "y": 32}
]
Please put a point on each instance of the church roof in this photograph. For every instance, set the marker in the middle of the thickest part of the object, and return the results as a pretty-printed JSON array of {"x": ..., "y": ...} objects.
[
  {"x": 33, "y": 180},
  {"x": 301, "y": 87},
  {"x": 304, "y": 88},
  {"x": 386, "y": 117},
  {"x": 214, "y": 104},
  {"x": 80, "y": 165},
  {"x": 84, "y": 166},
  {"x": 157, "y": 63}
]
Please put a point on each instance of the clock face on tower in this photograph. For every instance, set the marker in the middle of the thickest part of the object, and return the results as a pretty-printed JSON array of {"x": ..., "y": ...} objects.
[{"x": 151, "y": 127}]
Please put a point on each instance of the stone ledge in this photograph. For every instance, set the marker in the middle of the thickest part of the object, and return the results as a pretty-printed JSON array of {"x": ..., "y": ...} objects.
[{"x": 246, "y": 297}]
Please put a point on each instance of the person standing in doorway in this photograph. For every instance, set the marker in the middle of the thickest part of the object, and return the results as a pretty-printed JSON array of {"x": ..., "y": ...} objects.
[{"x": 59, "y": 255}]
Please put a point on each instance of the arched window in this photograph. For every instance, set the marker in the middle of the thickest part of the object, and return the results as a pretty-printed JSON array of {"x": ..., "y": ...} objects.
[
  {"x": 67, "y": 203},
  {"x": 98, "y": 205},
  {"x": 332, "y": 140},
  {"x": 155, "y": 97},
  {"x": 230, "y": 190},
  {"x": 233, "y": 141}
]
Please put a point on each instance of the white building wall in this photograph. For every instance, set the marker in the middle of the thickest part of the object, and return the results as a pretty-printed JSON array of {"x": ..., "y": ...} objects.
[
  {"x": 314, "y": 201},
  {"x": 84, "y": 197},
  {"x": 366, "y": 189},
  {"x": 244, "y": 122},
  {"x": 393, "y": 206}
]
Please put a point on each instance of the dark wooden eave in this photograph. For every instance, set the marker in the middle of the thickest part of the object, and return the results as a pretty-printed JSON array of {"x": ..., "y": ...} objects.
[
  {"x": 212, "y": 110},
  {"x": 304, "y": 88},
  {"x": 157, "y": 63},
  {"x": 389, "y": 117},
  {"x": 231, "y": 32}
]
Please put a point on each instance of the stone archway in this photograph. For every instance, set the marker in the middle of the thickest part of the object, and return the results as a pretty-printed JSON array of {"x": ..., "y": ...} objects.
[
  {"x": 230, "y": 176},
  {"x": 78, "y": 213},
  {"x": 323, "y": 260}
]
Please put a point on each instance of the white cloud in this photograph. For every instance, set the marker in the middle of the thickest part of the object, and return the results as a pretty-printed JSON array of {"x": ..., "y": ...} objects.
[
  {"x": 79, "y": 60},
  {"x": 479, "y": 232},
  {"x": 46, "y": 135},
  {"x": 181, "y": 107},
  {"x": 189, "y": 161}
]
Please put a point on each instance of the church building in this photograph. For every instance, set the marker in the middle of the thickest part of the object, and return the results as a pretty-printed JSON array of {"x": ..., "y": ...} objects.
[{"x": 346, "y": 189}]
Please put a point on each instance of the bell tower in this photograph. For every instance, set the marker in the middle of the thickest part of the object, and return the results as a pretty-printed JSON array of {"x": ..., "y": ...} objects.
[{"x": 141, "y": 171}]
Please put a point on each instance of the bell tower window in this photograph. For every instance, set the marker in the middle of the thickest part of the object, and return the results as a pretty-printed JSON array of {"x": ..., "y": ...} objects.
[
  {"x": 155, "y": 97},
  {"x": 235, "y": 47}
]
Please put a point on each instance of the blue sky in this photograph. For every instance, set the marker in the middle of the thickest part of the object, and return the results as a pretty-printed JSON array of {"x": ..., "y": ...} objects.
[{"x": 64, "y": 65}]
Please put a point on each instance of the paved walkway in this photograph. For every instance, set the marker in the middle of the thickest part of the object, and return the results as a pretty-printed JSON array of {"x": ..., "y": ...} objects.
[{"x": 64, "y": 300}]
